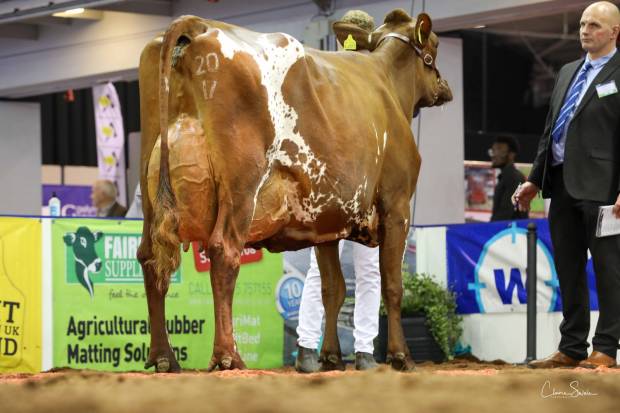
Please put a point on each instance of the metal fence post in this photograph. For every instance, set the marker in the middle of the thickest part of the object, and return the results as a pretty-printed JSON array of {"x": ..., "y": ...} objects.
[{"x": 531, "y": 291}]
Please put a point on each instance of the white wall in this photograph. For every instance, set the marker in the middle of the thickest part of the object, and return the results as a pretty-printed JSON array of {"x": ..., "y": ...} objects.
[
  {"x": 440, "y": 139},
  {"x": 20, "y": 157}
]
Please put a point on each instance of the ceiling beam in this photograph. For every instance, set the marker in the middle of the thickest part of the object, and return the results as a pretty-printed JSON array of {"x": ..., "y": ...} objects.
[
  {"x": 509, "y": 14},
  {"x": 19, "y": 14},
  {"x": 19, "y": 31},
  {"x": 153, "y": 7},
  {"x": 49, "y": 21},
  {"x": 530, "y": 34}
]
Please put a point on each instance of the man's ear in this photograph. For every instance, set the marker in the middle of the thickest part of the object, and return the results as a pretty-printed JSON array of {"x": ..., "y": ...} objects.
[
  {"x": 422, "y": 30},
  {"x": 361, "y": 36}
]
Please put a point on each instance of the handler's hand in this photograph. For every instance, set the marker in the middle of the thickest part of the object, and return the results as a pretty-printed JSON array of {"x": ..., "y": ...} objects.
[
  {"x": 616, "y": 209},
  {"x": 525, "y": 193}
]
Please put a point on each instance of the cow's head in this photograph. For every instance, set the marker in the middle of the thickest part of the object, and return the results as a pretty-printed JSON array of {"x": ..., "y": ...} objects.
[
  {"x": 431, "y": 89},
  {"x": 86, "y": 260}
]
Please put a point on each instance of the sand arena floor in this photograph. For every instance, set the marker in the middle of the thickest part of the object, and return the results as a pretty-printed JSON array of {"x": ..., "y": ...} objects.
[{"x": 458, "y": 386}]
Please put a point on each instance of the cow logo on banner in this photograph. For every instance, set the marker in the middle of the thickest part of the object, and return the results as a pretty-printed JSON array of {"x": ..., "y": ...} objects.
[
  {"x": 110, "y": 138},
  {"x": 96, "y": 258}
]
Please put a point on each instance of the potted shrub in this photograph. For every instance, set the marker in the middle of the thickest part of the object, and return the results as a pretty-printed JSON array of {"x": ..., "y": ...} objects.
[{"x": 430, "y": 323}]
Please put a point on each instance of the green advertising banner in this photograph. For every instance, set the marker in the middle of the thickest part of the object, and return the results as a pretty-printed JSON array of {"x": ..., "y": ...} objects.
[{"x": 100, "y": 311}]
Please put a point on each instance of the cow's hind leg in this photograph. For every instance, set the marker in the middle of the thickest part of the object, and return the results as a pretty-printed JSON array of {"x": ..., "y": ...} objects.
[
  {"x": 224, "y": 270},
  {"x": 333, "y": 291},
  {"x": 392, "y": 247},
  {"x": 160, "y": 354}
]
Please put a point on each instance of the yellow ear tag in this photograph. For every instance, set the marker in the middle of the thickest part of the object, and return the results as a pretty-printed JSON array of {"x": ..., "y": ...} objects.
[{"x": 349, "y": 43}]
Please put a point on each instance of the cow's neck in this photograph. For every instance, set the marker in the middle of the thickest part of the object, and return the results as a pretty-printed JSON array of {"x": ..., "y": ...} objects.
[{"x": 400, "y": 61}]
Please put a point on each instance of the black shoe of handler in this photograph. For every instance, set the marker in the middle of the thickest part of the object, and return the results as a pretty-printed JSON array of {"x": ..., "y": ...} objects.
[
  {"x": 307, "y": 360},
  {"x": 365, "y": 361}
]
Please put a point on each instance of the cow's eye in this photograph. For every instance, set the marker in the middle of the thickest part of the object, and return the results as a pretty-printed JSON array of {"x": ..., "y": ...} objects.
[{"x": 83, "y": 241}]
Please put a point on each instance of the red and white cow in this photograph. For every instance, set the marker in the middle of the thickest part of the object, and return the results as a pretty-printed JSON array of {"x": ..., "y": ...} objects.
[{"x": 251, "y": 139}]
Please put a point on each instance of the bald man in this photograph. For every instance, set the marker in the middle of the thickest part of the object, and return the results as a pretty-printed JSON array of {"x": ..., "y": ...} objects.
[{"x": 578, "y": 167}]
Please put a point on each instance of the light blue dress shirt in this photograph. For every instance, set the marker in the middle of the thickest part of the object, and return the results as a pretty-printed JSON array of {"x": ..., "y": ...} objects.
[{"x": 558, "y": 148}]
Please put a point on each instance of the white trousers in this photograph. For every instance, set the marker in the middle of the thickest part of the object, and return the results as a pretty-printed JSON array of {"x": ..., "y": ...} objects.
[{"x": 367, "y": 300}]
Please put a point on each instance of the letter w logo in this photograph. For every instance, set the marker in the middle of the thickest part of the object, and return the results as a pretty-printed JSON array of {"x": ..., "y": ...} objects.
[{"x": 506, "y": 291}]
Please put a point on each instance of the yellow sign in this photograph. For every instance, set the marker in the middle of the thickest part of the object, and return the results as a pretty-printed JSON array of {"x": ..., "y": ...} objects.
[
  {"x": 350, "y": 43},
  {"x": 20, "y": 295}
]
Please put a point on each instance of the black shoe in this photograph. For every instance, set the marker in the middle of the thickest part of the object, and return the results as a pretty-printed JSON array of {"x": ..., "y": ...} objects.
[
  {"x": 307, "y": 360},
  {"x": 365, "y": 361}
]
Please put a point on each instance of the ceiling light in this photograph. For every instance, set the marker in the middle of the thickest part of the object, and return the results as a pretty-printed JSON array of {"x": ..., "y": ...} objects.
[
  {"x": 69, "y": 13},
  {"x": 480, "y": 26},
  {"x": 80, "y": 14}
]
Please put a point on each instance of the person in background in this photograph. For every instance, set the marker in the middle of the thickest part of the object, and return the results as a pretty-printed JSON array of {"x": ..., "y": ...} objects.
[
  {"x": 104, "y": 199},
  {"x": 503, "y": 153},
  {"x": 577, "y": 167}
]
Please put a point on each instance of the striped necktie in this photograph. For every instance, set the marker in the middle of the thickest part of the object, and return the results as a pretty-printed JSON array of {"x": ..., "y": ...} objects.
[{"x": 568, "y": 108}]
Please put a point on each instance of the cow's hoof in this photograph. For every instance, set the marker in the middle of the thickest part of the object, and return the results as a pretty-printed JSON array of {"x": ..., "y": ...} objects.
[
  {"x": 226, "y": 362},
  {"x": 330, "y": 362},
  {"x": 163, "y": 364},
  {"x": 307, "y": 360},
  {"x": 400, "y": 362}
]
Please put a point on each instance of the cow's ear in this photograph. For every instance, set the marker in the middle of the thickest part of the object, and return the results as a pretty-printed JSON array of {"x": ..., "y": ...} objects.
[
  {"x": 422, "y": 30},
  {"x": 97, "y": 235},
  {"x": 397, "y": 16},
  {"x": 69, "y": 238},
  {"x": 356, "y": 33}
]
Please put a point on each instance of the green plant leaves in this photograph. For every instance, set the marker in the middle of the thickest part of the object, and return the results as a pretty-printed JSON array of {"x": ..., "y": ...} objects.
[{"x": 422, "y": 294}]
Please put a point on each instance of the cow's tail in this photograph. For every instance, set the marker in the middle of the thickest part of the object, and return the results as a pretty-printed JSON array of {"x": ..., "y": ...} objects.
[{"x": 164, "y": 231}]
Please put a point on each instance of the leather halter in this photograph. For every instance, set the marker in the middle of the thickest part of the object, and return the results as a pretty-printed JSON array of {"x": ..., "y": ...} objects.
[{"x": 426, "y": 57}]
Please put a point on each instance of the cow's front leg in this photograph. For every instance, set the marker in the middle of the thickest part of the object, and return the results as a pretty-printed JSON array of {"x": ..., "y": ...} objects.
[
  {"x": 224, "y": 271},
  {"x": 160, "y": 354},
  {"x": 395, "y": 230},
  {"x": 333, "y": 291}
]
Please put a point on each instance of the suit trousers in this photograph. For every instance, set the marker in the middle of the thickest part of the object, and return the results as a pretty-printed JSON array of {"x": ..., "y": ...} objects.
[
  {"x": 572, "y": 223},
  {"x": 367, "y": 300}
]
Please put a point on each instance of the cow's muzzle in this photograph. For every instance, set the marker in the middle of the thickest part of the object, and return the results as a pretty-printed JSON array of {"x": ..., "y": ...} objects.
[
  {"x": 95, "y": 266},
  {"x": 444, "y": 93}
]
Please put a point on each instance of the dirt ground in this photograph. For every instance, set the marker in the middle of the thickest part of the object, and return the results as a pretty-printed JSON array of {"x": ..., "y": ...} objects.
[{"x": 458, "y": 386}]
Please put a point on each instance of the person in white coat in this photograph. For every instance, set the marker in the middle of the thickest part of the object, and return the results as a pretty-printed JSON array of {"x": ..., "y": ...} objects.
[{"x": 365, "y": 313}]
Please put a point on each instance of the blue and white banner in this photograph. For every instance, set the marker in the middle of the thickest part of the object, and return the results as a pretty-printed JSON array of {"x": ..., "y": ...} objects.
[
  {"x": 110, "y": 138},
  {"x": 487, "y": 268}
]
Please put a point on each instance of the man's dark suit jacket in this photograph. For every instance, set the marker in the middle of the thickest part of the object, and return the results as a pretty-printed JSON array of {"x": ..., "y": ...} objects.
[
  {"x": 117, "y": 210},
  {"x": 592, "y": 150}
]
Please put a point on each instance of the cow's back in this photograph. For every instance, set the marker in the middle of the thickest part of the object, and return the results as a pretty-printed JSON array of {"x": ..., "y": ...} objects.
[{"x": 311, "y": 129}]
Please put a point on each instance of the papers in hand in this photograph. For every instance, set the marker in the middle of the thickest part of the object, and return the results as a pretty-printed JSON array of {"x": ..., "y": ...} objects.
[{"x": 607, "y": 223}]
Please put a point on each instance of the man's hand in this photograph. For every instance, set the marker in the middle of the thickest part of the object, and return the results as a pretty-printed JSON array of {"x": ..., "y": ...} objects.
[
  {"x": 616, "y": 209},
  {"x": 525, "y": 192}
]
